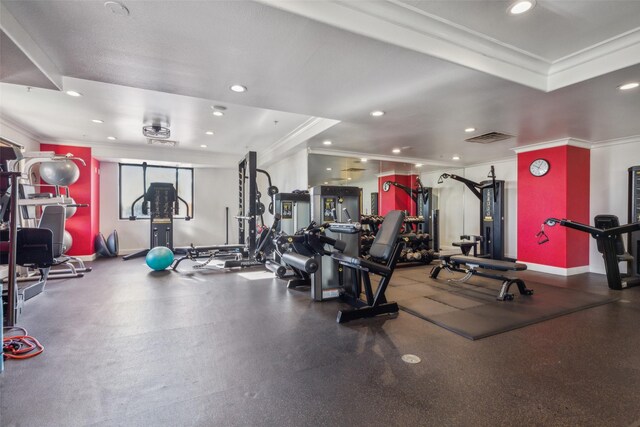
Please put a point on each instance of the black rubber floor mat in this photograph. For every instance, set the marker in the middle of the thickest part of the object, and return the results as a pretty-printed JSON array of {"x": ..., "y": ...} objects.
[{"x": 472, "y": 311}]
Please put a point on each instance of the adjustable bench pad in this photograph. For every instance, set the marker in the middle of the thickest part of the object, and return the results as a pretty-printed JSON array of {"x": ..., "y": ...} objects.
[{"x": 490, "y": 264}]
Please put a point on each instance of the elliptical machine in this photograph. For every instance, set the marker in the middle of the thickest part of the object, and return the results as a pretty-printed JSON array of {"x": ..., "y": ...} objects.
[{"x": 161, "y": 202}]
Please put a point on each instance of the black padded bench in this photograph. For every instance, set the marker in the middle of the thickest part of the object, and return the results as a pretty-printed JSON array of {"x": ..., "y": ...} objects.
[
  {"x": 386, "y": 249},
  {"x": 470, "y": 265}
]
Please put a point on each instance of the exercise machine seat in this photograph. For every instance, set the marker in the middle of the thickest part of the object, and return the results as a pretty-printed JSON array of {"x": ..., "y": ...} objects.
[
  {"x": 610, "y": 221},
  {"x": 490, "y": 264},
  {"x": 53, "y": 217},
  {"x": 385, "y": 241}
]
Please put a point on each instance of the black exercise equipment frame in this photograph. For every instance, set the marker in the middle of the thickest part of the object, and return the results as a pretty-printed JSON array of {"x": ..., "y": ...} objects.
[
  {"x": 165, "y": 203},
  {"x": 423, "y": 198},
  {"x": 456, "y": 262},
  {"x": 491, "y": 196},
  {"x": 606, "y": 238}
]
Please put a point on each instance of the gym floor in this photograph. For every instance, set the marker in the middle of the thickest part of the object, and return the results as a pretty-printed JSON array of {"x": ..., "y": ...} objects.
[{"x": 128, "y": 347}]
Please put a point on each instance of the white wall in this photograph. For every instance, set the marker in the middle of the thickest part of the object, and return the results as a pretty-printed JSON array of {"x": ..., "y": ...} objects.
[
  {"x": 18, "y": 135},
  {"x": 609, "y": 187},
  {"x": 214, "y": 190},
  {"x": 460, "y": 208},
  {"x": 288, "y": 174},
  {"x": 369, "y": 185}
]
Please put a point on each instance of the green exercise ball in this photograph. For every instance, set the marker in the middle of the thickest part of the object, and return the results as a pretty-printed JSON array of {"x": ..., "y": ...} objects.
[{"x": 159, "y": 258}]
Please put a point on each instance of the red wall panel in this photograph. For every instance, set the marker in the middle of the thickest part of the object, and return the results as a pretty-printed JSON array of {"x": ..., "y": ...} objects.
[
  {"x": 396, "y": 198},
  {"x": 562, "y": 193},
  {"x": 83, "y": 224}
]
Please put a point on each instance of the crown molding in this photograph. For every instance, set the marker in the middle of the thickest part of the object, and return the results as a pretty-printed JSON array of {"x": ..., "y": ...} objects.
[
  {"x": 119, "y": 152},
  {"x": 398, "y": 24},
  {"x": 617, "y": 141},
  {"x": 384, "y": 158},
  {"x": 18, "y": 35},
  {"x": 300, "y": 135},
  {"x": 402, "y": 24},
  {"x": 573, "y": 142}
]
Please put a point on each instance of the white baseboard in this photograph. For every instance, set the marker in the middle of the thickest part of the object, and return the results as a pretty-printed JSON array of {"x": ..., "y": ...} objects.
[
  {"x": 91, "y": 257},
  {"x": 558, "y": 271}
]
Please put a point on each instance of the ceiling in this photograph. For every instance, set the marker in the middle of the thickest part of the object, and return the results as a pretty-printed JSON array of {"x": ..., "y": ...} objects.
[{"x": 304, "y": 61}]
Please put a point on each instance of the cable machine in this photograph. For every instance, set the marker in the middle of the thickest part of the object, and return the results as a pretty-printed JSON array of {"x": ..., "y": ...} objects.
[
  {"x": 161, "y": 202},
  {"x": 491, "y": 195},
  {"x": 426, "y": 203},
  {"x": 633, "y": 243}
]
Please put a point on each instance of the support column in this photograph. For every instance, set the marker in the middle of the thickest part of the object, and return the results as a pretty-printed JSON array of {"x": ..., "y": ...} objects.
[
  {"x": 396, "y": 198},
  {"x": 85, "y": 224},
  {"x": 562, "y": 193}
]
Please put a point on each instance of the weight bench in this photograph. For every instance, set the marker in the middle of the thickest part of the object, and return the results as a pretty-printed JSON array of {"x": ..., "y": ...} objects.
[
  {"x": 385, "y": 248},
  {"x": 470, "y": 265}
]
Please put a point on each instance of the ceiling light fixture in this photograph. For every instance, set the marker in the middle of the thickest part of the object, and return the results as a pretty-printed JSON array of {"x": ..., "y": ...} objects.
[
  {"x": 396, "y": 151},
  {"x": 117, "y": 8},
  {"x": 73, "y": 93},
  {"x": 209, "y": 132},
  {"x": 455, "y": 157},
  {"x": 469, "y": 130},
  {"x": 326, "y": 182},
  {"x": 218, "y": 110},
  {"x": 203, "y": 146},
  {"x": 238, "y": 88},
  {"x": 327, "y": 142},
  {"x": 329, "y": 169},
  {"x": 418, "y": 165},
  {"x": 628, "y": 86},
  {"x": 363, "y": 160},
  {"x": 97, "y": 121},
  {"x": 111, "y": 138},
  {"x": 349, "y": 178},
  {"x": 218, "y": 113},
  {"x": 377, "y": 113},
  {"x": 521, "y": 6}
]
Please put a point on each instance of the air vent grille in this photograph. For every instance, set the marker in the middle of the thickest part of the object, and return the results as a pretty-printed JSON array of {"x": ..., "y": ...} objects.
[
  {"x": 162, "y": 142},
  {"x": 490, "y": 137}
]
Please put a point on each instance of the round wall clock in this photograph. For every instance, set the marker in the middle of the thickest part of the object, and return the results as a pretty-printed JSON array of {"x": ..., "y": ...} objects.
[{"x": 539, "y": 167}]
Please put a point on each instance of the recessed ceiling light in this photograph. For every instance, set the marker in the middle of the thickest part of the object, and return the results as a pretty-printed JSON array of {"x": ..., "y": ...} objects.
[
  {"x": 73, "y": 93},
  {"x": 117, "y": 8},
  {"x": 395, "y": 151},
  {"x": 521, "y": 6},
  {"x": 349, "y": 178},
  {"x": 327, "y": 142},
  {"x": 455, "y": 157},
  {"x": 238, "y": 88},
  {"x": 111, "y": 138},
  {"x": 377, "y": 113},
  {"x": 628, "y": 86},
  {"x": 418, "y": 165},
  {"x": 363, "y": 160},
  {"x": 203, "y": 146},
  {"x": 218, "y": 113},
  {"x": 329, "y": 169},
  {"x": 209, "y": 132},
  {"x": 97, "y": 121},
  {"x": 467, "y": 130},
  {"x": 326, "y": 182}
]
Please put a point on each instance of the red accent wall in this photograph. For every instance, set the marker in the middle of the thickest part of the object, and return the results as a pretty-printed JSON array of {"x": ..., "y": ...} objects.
[
  {"x": 85, "y": 223},
  {"x": 396, "y": 198},
  {"x": 562, "y": 193}
]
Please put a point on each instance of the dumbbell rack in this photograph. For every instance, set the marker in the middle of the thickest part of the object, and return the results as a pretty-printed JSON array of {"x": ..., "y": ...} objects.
[{"x": 417, "y": 244}]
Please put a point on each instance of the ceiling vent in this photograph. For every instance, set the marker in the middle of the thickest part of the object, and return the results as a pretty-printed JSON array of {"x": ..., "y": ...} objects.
[
  {"x": 352, "y": 169},
  {"x": 162, "y": 142},
  {"x": 490, "y": 137},
  {"x": 156, "y": 132}
]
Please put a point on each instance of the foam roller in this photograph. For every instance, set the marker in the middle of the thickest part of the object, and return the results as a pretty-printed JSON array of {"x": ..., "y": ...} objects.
[{"x": 300, "y": 262}]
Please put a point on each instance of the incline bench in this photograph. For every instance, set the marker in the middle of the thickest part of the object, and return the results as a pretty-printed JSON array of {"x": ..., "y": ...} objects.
[{"x": 470, "y": 265}]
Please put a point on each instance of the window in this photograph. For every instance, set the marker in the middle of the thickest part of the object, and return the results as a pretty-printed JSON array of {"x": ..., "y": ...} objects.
[{"x": 131, "y": 182}]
